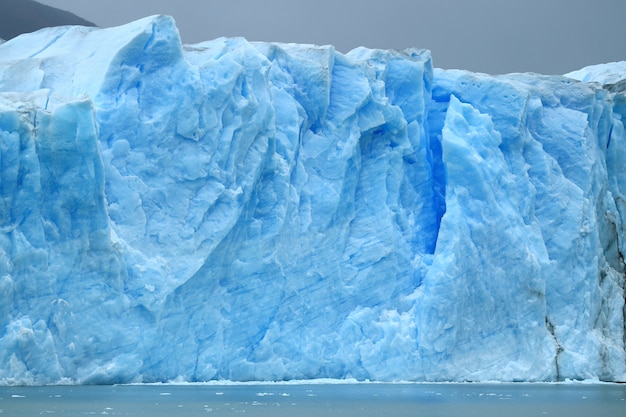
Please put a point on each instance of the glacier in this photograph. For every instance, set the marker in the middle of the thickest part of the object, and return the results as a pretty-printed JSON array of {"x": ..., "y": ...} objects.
[{"x": 235, "y": 210}]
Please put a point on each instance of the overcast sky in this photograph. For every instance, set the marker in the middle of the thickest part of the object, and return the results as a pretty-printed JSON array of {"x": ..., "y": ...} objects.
[{"x": 494, "y": 36}]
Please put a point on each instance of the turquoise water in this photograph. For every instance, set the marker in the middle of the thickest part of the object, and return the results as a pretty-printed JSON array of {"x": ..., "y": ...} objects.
[{"x": 316, "y": 400}]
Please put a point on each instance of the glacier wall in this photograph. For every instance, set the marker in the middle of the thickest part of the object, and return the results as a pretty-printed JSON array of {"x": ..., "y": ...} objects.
[{"x": 252, "y": 211}]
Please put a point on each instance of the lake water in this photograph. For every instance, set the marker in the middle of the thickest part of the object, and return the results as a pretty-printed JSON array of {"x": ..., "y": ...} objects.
[{"x": 317, "y": 400}]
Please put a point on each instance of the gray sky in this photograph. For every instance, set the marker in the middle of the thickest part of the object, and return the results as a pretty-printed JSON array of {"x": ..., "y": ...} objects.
[{"x": 493, "y": 36}]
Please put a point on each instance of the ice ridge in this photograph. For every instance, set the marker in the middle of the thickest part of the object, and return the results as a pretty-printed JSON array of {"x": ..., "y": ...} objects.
[{"x": 243, "y": 211}]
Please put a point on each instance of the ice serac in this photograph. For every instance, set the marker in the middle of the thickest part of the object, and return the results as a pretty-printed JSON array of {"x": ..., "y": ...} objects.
[
  {"x": 259, "y": 211},
  {"x": 538, "y": 213}
]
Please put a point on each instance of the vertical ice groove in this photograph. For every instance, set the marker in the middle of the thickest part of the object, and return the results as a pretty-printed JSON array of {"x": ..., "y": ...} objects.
[{"x": 559, "y": 349}]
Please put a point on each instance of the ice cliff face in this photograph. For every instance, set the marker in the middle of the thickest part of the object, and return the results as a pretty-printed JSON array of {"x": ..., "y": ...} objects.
[{"x": 234, "y": 210}]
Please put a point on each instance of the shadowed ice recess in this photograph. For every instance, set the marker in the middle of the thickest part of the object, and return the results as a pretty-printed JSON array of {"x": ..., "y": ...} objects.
[{"x": 253, "y": 211}]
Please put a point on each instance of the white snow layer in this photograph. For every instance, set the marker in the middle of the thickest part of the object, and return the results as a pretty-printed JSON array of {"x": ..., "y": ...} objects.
[{"x": 252, "y": 211}]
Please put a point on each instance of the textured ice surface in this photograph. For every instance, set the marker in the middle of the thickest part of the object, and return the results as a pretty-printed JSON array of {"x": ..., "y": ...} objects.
[{"x": 251, "y": 211}]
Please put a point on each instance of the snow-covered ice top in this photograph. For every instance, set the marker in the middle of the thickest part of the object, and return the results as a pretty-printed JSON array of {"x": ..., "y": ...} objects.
[
  {"x": 611, "y": 73},
  {"x": 254, "y": 211}
]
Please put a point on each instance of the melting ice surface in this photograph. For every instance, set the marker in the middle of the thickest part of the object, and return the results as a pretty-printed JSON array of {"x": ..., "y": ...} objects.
[{"x": 252, "y": 211}]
